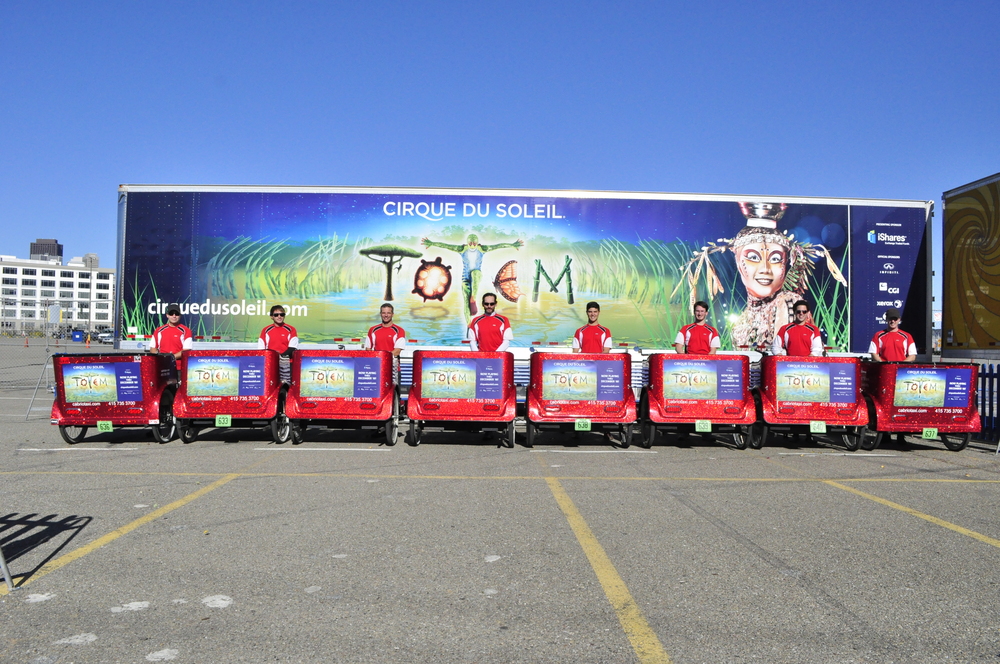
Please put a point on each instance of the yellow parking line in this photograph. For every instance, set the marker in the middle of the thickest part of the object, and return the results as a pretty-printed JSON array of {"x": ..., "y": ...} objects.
[
  {"x": 644, "y": 640},
  {"x": 927, "y": 517},
  {"x": 115, "y": 534}
]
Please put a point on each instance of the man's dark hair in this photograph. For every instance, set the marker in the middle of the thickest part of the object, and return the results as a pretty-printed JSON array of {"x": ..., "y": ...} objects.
[
  {"x": 700, "y": 303},
  {"x": 486, "y": 295},
  {"x": 387, "y": 306},
  {"x": 277, "y": 307},
  {"x": 593, "y": 305},
  {"x": 801, "y": 303}
]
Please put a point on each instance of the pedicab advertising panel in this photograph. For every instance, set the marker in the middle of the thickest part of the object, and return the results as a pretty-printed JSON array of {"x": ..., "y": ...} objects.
[
  {"x": 818, "y": 395},
  {"x": 342, "y": 389},
  {"x": 581, "y": 392},
  {"x": 230, "y": 388},
  {"x": 109, "y": 390},
  {"x": 700, "y": 393},
  {"x": 462, "y": 390},
  {"x": 933, "y": 400}
]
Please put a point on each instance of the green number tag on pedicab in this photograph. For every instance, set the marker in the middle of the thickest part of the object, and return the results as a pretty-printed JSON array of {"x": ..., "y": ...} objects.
[
  {"x": 582, "y": 424},
  {"x": 223, "y": 420},
  {"x": 105, "y": 426},
  {"x": 930, "y": 433},
  {"x": 703, "y": 426},
  {"x": 817, "y": 426}
]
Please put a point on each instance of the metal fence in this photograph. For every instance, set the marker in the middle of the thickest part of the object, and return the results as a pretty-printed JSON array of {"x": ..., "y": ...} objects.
[
  {"x": 989, "y": 390},
  {"x": 26, "y": 362}
]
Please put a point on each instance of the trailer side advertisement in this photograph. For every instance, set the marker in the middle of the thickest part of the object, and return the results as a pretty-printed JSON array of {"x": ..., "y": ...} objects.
[{"x": 332, "y": 256}]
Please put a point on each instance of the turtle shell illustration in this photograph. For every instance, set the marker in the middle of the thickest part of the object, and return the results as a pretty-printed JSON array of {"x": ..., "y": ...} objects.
[
  {"x": 506, "y": 282},
  {"x": 432, "y": 280}
]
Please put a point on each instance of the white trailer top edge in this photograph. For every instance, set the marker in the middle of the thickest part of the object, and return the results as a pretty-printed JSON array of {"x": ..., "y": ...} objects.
[{"x": 538, "y": 193}]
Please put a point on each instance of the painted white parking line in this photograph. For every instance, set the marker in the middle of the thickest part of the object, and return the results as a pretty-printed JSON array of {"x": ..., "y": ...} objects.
[
  {"x": 320, "y": 449},
  {"x": 77, "y": 449},
  {"x": 598, "y": 451},
  {"x": 846, "y": 454}
]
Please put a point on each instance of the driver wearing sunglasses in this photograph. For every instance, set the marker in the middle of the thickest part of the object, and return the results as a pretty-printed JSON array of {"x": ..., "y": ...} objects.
[{"x": 800, "y": 337}]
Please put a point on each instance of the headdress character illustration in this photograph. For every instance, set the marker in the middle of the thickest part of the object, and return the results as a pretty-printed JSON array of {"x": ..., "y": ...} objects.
[
  {"x": 775, "y": 270},
  {"x": 472, "y": 263}
]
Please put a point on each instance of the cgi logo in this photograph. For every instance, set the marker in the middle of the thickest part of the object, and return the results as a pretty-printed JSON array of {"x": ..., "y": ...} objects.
[
  {"x": 883, "y": 286},
  {"x": 872, "y": 237}
]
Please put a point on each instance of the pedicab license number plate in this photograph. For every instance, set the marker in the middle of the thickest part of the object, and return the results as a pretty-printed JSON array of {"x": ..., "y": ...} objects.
[{"x": 582, "y": 424}]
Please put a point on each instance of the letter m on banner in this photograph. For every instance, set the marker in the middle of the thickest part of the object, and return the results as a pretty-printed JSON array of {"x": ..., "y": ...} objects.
[{"x": 553, "y": 286}]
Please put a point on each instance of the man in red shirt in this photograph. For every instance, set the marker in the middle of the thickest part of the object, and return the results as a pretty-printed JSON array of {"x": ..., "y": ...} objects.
[
  {"x": 173, "y": 337},
  {"x": 892, "y": 344},
  {"x": 592, "y": 338},
  {"x": 282, "y": 338},
  {"x": 698, "y": 338},
  {"x": 490, "y": 332},
  {"x": 386, "y": 335},
  {"x": 800, "y": 337},
  {"x": 279, "y": 336}
]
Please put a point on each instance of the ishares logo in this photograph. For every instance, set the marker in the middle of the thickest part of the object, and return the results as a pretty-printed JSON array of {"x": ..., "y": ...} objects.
[{"x": 872, "y": 237}]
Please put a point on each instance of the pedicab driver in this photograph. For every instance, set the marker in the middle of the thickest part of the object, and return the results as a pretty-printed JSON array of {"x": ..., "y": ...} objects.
[
  {"x": 592, "y": 337},
  {"x": 282, "y": 338},
  {"x": 172, "y": 338},
  {"x": 800, "y": 337},
  {"x": 490, "y": 332},
  {"x": 892, "y": 344},
  {"x": 698, "y": 338},
  {"x": 387, "y": 336}
]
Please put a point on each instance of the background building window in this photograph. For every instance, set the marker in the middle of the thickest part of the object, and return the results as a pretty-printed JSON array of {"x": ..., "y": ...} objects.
[
  {"x": 104, "y": 286},
  {"x": 10, "y": 281},
  {"x": 29, "y": 282},
  {"x": 64, "y": 274},
  {"x": 83, "y": 275},
  {"x": 68, "y": 294},
  {"x": 28, "y": 292},
  {"x": 48, "y": 273},
  {"x": 48, "y": 284},
  {"x": 65, "y": 284},
  {"x": 100, "y": 316},
  {"x": 104, "y": 275},
  {"x": 48, "y": 293},
  {"x": 10, "y": 270},
  {"x": 9, "y": 291},
  {"x": 103, "y": 296},
  {"x": 29, "y": 270},
  {"x": 83, "y": 284}
]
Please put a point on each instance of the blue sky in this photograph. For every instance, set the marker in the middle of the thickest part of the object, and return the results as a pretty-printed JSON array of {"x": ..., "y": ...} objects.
[{"x": 876, "y": 100}]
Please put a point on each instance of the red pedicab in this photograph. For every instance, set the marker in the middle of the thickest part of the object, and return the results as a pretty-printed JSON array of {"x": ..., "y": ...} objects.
[
  {"x": 343, "y": 389},
  {"x": 459, "y": 390},
  {"x": 109, "y": 390},
  {"x": 699, "y": 393},
  {"x": 581, "y": 392},
  {"x": 230, "y": 388},
  {"x": 815, "y": 395},
  {"x": 933, "y": 400}
]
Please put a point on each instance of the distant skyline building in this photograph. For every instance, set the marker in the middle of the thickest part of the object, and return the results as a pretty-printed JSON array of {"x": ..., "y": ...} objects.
[
  {"x": 83, "y": 292},
  {"x": 45, "y": 249}
]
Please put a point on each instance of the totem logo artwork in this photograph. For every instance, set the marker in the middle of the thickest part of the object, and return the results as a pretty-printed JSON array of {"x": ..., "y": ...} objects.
[{"x": 332, "y": 258}]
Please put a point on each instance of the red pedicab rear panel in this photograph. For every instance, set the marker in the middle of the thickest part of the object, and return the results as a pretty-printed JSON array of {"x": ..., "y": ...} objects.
[
  {"x": 341, "y": 385},
  {"x": 124, "y": 389},
  {"x": 689, "y": 388},
  {"x": 581, "y": 386},
  {"x": 913, "y": 397},
  {"x": 462, "y": 386},
  {"x": 802, "y": 390},
  {"x": 241, "y": 384}
]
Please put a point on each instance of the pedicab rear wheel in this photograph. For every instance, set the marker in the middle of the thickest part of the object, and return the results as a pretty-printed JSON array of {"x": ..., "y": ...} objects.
[
  {"x": 870, "y": 439},
  {"x": 531, "y": 431},
  {"x": 956, "y": 442},
  {"x": 187, "y": 431},
  {"x": 852, "y": 440},
  {"x": 509, "y": 438},
  {"x": 72, "y": 434},
  {"x": 392, "y": 424}
]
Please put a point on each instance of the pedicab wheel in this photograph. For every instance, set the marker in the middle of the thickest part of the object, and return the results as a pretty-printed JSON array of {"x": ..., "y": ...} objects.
[
  {"x": 414, "y": 435},
  {"x": 72, "y": 434},
  {"x": 647, "y": 434},
  {"x": 852, "y": 439},
  {"x": 392, "y": 424},
  {"x": 531, "y": 431},
  {"x": 281, "y": 428},
  {"x": 626, "y": 434},
  {"x": 509, "y": 440},
  {"x": 298, "y": 432},
  {"x": 166, "y": 430},
  {"x": 741, "y": 437},
  {"x": 956, "y": 442},
  {"x": 758, "y": 434},
  {"x": 870, "y": 439},
  {"x": 187, "y": 431}
]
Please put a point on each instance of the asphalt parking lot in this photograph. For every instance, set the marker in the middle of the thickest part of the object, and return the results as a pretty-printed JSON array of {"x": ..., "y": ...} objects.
[{"x": 234, "y": 549}]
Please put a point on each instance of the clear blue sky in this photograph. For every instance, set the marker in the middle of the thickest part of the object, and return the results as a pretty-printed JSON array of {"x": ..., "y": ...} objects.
[{"x": 879, "y": 100}]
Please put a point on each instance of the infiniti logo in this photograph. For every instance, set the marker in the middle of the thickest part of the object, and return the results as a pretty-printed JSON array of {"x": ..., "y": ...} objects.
[{"x": 889, "y": 266}]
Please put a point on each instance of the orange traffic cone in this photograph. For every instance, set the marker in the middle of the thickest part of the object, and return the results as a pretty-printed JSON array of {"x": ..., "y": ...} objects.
[
  {"x": 26, "y": 341},
  {"x": 88, "y": 341}
]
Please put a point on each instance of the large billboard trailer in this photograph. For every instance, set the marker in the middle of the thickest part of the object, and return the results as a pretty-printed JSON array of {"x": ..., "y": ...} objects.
[
  {"x": 332, "y": 255},
  {"x": 971, "y": 285}
]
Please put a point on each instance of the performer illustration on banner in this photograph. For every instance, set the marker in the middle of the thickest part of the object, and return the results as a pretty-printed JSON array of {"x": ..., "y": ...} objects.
[{"x": 472, "y": 263}]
